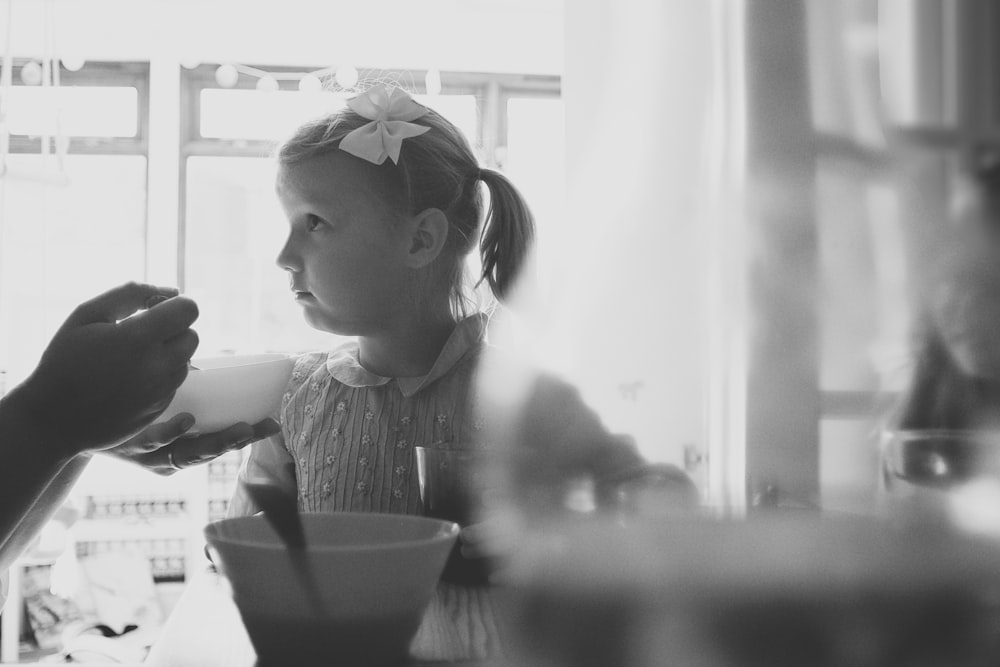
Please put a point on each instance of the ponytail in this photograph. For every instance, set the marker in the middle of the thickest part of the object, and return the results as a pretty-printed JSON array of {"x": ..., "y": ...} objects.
[{"x": 508, "y": 232}]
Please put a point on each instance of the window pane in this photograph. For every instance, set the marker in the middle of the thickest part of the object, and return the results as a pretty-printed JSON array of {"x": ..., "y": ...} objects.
[
  {"x": 81, "y": 111},
  {"x": 235, "y": 229},
  {"x": 864, "y": 312},
  {"x": 64, "y": 244},
  {"x": 261, "y": 115},
  {"x": 271, "y": 116},
  {"x": 535, "y": 162},
  {"x": 459, "y": 109}
]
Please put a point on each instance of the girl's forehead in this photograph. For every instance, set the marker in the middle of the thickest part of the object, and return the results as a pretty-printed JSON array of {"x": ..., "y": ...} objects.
[{"x": 332, "y": 174}]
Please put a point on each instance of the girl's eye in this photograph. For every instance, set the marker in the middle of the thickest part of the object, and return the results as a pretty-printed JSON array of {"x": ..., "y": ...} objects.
[{"x": 312, "y": 222}]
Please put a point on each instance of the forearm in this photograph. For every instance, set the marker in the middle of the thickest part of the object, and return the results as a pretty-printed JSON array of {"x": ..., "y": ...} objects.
[
  {"x": 39, "y": 514},
  {"x": 34, "y": 477}
]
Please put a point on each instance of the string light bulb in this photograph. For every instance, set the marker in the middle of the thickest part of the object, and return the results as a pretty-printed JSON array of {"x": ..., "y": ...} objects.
[
  {"x": 267, "y": 83},
  {"x": 310, "y": 83},
  {"x": 73, "y": 63},
  {"x": 227, "y": 76},
  {"x": 31, "y": 73},
  {"x": 346, "y": 76}
]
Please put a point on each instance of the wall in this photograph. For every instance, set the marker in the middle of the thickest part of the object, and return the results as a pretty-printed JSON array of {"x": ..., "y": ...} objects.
[
  {"x": 471, "y": 35},
  {"x": 644, "y": 116},
  {"x": 626, "y": 314},
  {"x": 474, "y": 35}
]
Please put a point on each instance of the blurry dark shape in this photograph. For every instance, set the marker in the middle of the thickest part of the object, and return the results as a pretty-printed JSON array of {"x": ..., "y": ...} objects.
[
  {"x": 281, "y": 510},
  {"x": 987, "y": 166},
  {"x": 554, "y": 441},
  {"x": 766, "y": 496},
  {"x": 452, "y": 483},
  {"x": 776, "y": 590},
  {"x": 955, "y": 381},
  {"x": 940, "y": 451},
  {"x": 942, "y": 459},
  {"x": 654, "y": 489},
  {"x": 282, "y": 513}
]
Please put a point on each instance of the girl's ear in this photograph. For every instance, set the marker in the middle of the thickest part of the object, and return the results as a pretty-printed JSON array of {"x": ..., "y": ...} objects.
[{"x": 429, "y": 231}]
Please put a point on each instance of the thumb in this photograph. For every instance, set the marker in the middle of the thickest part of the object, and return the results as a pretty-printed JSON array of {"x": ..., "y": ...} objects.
[{"x": 117, "y": 303}]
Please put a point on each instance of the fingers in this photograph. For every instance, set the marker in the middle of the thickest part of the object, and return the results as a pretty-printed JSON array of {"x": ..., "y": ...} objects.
[
  {"x": 265, "y": 429},
  {"x": 118, "y": 303},
  {"x": 181, "y": 348},
  {"x": 164, "y": 320},
  {"x": 164, "y": 433},
  {"x": 186, "y": 452}
]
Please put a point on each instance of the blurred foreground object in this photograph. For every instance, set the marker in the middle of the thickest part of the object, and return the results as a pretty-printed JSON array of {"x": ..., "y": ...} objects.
[
  {"x": 386, "y": 568},
  {"x": 945, "y": 478},
  {"x": 776, "y": 590}
]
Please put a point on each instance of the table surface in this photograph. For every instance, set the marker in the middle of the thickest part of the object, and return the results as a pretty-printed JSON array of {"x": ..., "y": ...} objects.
[{"x": 205, "y": 628}]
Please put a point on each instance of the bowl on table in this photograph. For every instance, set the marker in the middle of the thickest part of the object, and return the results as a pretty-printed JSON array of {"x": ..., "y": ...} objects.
[
  {"x": 374, "y": 575},
  {"x": 221, "y": 391}
]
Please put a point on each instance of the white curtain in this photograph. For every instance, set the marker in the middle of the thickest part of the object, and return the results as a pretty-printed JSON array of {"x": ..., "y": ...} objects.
[{"x": 641, "y": 303}]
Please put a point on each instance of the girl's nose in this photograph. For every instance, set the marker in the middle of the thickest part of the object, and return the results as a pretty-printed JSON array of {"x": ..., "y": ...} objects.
[{"x": 287, "y": 258}]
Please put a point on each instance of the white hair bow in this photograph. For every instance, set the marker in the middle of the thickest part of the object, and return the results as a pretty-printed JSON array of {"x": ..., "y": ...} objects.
[{"x": 390, "y": 113}]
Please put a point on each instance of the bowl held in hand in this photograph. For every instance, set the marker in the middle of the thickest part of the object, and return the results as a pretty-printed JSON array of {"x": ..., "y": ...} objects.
[{"x": 221, "y": 391}]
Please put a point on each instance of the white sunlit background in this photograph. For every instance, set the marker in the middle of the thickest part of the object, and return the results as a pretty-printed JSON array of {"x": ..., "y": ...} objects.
[
  {"x": 139, "y": 147},
  {"x": 727, "y": 241}
]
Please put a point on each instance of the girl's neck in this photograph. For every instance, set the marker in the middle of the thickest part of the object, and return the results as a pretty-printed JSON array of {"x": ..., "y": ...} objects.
[{"x": 409, "y": 349}]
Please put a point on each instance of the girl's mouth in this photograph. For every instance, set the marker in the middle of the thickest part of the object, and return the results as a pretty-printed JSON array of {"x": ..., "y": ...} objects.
[{"x": 301, "y": 295}]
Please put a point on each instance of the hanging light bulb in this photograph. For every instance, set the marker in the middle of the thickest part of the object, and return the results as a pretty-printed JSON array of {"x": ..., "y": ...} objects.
[
  {"x": 226, "y": 76},
  {"x": 31, "y": 73},
  {"x": 310, "y": 83},
  {"x": 190, "y": 63},
  {"x": 346, "y": 76},
  {"x": 267, "y": 83},
  {"x": 433, "y": 81},
  {"x": 73, "y": 63}
]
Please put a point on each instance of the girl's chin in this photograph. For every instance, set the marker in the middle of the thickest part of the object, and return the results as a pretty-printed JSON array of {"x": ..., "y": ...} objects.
[{"x": 326, "y": 325}]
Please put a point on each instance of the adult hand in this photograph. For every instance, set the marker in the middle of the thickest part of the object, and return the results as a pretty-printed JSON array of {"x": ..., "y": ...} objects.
[
  {"x": 165, "y": 449},
  {"x": 110, "y": 370}
]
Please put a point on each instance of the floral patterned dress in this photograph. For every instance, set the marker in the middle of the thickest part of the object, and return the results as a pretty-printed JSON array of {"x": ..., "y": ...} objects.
[{"x": 347, "y": 444}]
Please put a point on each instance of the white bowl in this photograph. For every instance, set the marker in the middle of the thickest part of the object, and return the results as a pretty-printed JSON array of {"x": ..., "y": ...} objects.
[
  {"x": 222, "y": 391},
  {"x": 373, "y": 576}
]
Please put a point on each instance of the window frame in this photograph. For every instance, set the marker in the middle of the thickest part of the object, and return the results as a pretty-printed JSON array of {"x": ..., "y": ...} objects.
[
  {"x": 131, "y": 74},
  {"x": 491, "y": 91}
]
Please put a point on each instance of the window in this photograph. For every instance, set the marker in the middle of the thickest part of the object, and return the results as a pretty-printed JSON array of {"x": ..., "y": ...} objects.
[
  {"x": 232, "y": 227},
  {"x": 71, "y": 225}
]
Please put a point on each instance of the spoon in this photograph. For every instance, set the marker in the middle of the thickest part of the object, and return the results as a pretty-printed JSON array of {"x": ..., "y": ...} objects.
[{"x": 282, "y": 512}]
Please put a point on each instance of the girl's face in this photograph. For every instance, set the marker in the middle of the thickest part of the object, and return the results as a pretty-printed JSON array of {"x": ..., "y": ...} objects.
[{"x": 345, "y": 253}]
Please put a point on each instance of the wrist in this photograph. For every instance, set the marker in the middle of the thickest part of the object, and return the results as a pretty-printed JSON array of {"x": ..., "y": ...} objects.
[{"x": 23, "y": 425}]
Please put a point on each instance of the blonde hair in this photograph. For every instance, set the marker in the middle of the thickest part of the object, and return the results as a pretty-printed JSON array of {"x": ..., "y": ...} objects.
[{"x": 438, "y": 169}]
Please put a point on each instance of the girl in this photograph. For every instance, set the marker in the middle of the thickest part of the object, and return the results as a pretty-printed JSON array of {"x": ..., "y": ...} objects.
[{"x": 384, "y": 204}]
